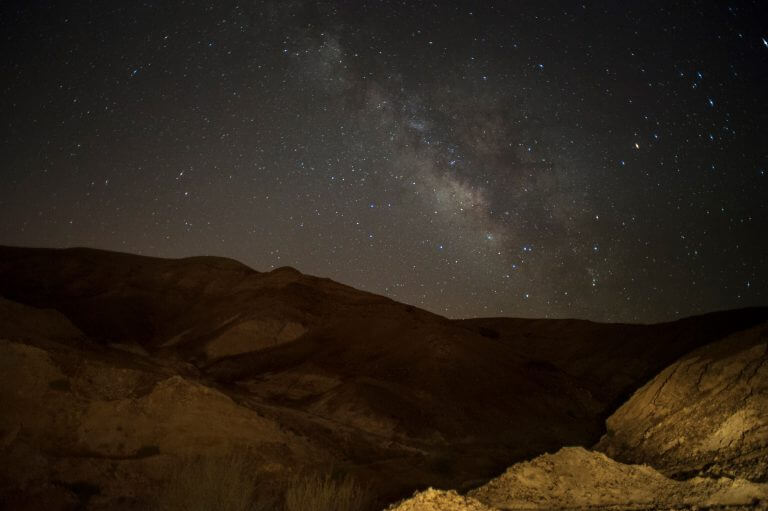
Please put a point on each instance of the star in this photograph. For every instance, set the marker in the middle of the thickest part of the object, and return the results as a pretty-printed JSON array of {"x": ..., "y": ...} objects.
[{"x": 369, "y": 150}]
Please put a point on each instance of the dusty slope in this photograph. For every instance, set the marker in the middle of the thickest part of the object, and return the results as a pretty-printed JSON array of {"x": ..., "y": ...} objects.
[
  {"x": 92, "y": 424},
  {"x": 574, "y": 478},
  {"x": 706, "y": 413}
]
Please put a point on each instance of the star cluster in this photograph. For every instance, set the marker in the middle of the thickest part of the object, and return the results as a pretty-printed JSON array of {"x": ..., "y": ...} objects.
[{"x": 599, "y": 160}]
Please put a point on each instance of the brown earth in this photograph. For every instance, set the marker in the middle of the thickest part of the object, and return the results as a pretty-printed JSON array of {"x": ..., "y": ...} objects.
[{"x": 115, "y": 366}]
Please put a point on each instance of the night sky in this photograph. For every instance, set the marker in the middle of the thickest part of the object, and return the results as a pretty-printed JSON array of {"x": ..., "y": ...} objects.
[{"x": 601, "y": 160}]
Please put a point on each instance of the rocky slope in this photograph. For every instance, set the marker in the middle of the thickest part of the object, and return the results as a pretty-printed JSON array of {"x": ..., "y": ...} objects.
[
  {"x": 705, "y": 414},
  {"x": 701, "y": 423},
  {"x": 86, "y": 424},
  {"x": 574, "y": 478}
]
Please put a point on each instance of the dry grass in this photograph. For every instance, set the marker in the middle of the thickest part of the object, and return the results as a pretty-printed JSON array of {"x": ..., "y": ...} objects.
[
  {"x": 315, "y": 492},
  {"x": 229, "y": 483},
  {"x": 224, "y": 483}
]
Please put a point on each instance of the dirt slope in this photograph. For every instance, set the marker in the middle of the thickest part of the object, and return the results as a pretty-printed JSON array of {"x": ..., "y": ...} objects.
[
  {"x": 574, "y": 478},
  {"x": 89, "y": 424},
  {"x": 706, "y": 413}
]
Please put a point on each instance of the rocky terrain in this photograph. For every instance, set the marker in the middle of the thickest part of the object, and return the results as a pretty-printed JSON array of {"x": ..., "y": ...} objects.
[
  {"x": 117, "y": 368},
  {"x": 705, "y": 414},
  {"x": 575, "y": 478},
  {"x": 696, "y": 435}
]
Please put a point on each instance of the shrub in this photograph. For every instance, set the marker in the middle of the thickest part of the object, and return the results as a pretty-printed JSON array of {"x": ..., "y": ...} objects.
[
  {"x": 315, "y": 492},
  {"x": 223, "y": 483}
]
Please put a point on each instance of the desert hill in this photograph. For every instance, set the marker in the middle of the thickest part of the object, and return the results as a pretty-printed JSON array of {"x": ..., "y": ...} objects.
[
  {"x": 705, "y": 414},
  {"x": 695, "y": 436},
  {"x": 117, "y": 366},
  {"x": 590, "y": 351}
]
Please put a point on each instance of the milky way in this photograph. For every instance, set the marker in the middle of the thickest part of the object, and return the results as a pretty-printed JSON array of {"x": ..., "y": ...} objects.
[{"x": 599, "y": 160}]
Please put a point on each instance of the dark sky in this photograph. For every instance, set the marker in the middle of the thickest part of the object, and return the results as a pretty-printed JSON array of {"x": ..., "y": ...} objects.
[{"x": 601, "y": 160}]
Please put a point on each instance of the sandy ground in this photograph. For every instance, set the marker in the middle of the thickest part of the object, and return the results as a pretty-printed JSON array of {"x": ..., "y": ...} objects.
[{"x": 575, "y": 478}]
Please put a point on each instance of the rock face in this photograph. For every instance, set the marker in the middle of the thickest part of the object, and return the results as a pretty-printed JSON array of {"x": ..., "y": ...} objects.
[
  {"x": 705, "y": 414},
  {"x": 574, "y": 478}
]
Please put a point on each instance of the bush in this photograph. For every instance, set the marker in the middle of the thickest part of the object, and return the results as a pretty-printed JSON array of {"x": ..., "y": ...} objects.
[
  {"x": 223, "y": 483},
  {"x": 315, "y": 492}
]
